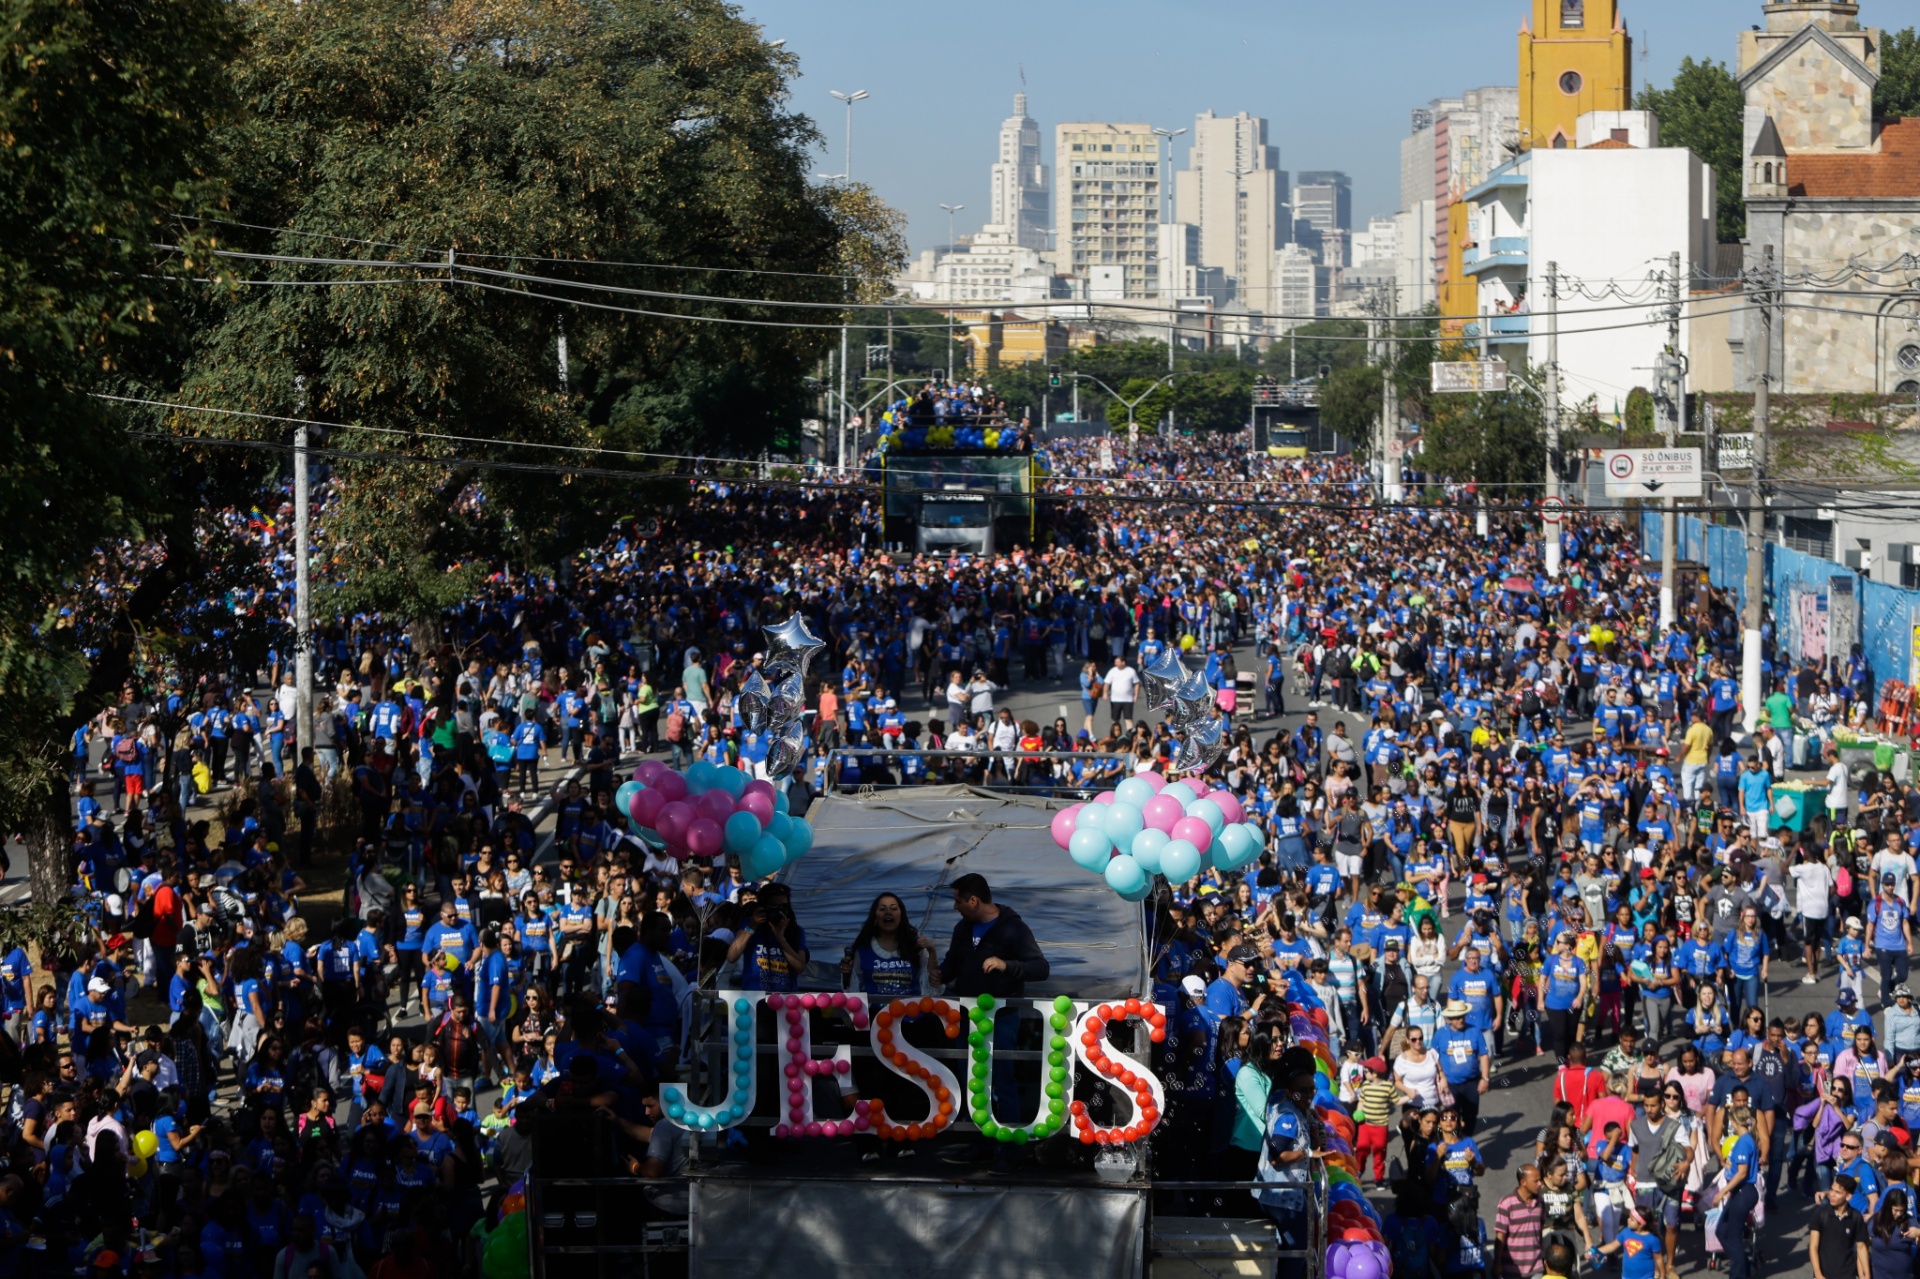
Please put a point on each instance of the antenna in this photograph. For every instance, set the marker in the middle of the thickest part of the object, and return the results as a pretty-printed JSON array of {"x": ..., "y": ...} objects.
[{"x": 1023, "y": 75}]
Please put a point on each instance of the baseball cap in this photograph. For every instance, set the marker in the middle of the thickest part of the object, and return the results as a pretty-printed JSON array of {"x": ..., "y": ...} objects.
[
  {"x": 1846, "y": 998},
  {"x": 1376, "y": 1065},
  {"x": 1886, "y": 879},
  {"x": 1243, "y": 954},
  {"x": 116, "y": 905},
  {"x": 1194, "y": 986},
  {"x": 98, "y": 986}
]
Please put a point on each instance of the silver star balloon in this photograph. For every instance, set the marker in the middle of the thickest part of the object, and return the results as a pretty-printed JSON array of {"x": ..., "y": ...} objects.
[
  {"x": 1191, "y": 700},
  {"x": 790, "y": 646},
  {"x": 785, "y": 751},
  {"x": 1202, "y": 744},
  {"x": 788, "y": 701},
  {"x": 1160, "y": 677},
  {"x": 752, "y": 702}
]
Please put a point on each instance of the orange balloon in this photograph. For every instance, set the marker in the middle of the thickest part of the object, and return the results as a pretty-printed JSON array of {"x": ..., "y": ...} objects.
[
  {"x": 942, "y": 1093},
  {"x": 900, "y": 1059},
  {"x": 946, "y": 1108},
  {"x": 515, "y": 1202}
]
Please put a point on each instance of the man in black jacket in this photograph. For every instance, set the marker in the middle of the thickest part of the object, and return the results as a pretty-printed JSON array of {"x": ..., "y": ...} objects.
[{"x": 993, "y": 951}]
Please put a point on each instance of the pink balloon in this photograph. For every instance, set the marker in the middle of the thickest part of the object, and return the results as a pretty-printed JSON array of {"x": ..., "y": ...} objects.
[
  {"x": 1191, "y": 829},
  {"x": 1104, "y": 797},
  {"x": 1229, "y": 806},
  {"x": 1162, "y": 811},
  {"x": 1062, "y": 824},
  {"x": 673, "y": 822},
  {"x": 649, "y": 773},
  {"x": 1197, "y": 786},
  {"x": 1153, "y": 779},
  {"x": 716, "y": 806},
  {"x": 703, "y": 837},
  {"x": 670, "y": 784},
  {"x": 645, "y": 807},
  {"x": 760, "y": 788},
  {"x": 759, "y": 803}
]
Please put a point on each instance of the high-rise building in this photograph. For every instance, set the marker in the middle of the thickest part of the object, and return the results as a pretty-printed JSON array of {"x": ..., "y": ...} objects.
[
  {"x": 1020, "y": 188},
  {"x": 1300, "y": 283},
  {"x": 1107, "y": 218},
  {"x": 1234, "y": 191},
  {"x": 1323, "y": 200},
  {"x": 1575, "y": 57},
  {"x": 1456, "y": 142}
]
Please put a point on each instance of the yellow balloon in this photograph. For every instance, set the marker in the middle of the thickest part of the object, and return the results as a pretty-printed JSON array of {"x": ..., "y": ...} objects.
[
  {"x": 136, "y": 1167},
  {"x": 450, "y": 962},
  {"x": 145, "y": 1143}
]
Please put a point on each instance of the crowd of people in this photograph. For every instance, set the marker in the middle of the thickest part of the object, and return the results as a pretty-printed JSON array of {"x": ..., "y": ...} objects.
[{"x": 1513, "y": 821}]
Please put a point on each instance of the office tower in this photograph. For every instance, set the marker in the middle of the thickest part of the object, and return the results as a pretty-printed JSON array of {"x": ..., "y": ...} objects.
[
  {"x": 1323, "y": 200},
  {"x": 1108, "y": 217},
  {"x": 1234, "y": 191},
  {"x": 1020, "y": 194}
]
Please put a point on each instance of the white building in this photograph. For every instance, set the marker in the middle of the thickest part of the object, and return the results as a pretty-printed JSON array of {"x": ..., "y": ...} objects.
[
  {"x": 1301, "y": 283},
  {"x": 1234, "y": 191},
  {"x": 1607, "y": 213},
  {"x": 1108, "y": 210},
  {"x": 1020, "y": 199},
  {"x": 991, "y": 268}
]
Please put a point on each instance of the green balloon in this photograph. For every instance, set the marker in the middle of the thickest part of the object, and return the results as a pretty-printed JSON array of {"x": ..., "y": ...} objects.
[
  {"x": 982, "y": 1004},
  {"x": 1003, "y": 1134},
  {"x": 1056, "y": 1058},
  {"x": 1057, "y": 1107},
  {"x": 1058, "y": 1043},
  {"x": 981, "y": 1118},
  {"x": 1020, "y": 1136},
  {"x": 1055, "y": 1090},
  {"x": 1062, "y": 1004},
  {"x": 977, "y": 1039},
  {"x": 1057, "y": 1022},
  {"x": 1058, "y": 1074}
]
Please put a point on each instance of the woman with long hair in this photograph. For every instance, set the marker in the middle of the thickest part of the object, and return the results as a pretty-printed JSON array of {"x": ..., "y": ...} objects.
[
  {"x": 888, "y": 956},
  {"x": 1894, "y": 1242}
]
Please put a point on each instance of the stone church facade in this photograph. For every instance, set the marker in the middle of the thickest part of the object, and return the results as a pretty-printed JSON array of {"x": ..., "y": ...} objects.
[{"x": 1836, "y": 194}]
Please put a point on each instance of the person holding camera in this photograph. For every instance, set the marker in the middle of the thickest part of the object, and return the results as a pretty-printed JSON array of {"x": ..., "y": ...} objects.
[{"x": 773, "y": 947}]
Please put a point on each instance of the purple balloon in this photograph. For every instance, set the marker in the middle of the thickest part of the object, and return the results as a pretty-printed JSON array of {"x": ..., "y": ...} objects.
[
  {"x": 673, "y": 822},
  {"x": 649, "y": 773},
  {"x": 703, "y": 837},
  {"x": 759, "y": 787},
  {"x": 671, "y": 784},
  {"x": 759, "y": 803},
  {"x": 1191, "y": 829},
  {"x": 1062, "y": 824},
  {"x": 716, "y": 806},
  {"x": 1362, "y": 1265},
  {"x": 645, "y": 808},
  {"x": 1162, "y": 811}
]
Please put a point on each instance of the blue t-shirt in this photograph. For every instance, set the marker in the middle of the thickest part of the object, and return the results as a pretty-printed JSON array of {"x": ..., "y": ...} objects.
[
  {"x": 1460, "y": 1052},
  {"x": 1637, "y": 1253},
  {"x": 1562, "y": 973}
]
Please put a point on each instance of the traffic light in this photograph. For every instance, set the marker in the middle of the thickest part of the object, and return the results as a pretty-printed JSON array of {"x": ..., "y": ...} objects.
[{"x": 1053, "y": 375}]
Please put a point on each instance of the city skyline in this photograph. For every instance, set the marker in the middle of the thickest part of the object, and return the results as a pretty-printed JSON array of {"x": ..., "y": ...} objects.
[{"x": 1153, "y": 63}]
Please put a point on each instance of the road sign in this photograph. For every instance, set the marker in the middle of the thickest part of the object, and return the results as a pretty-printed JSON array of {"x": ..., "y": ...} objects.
[
  {"x": 1733, "y": 452},
  {"x": 1552, "y": 510},
  {"x": 1469, "y": 376},
  {"x": 1652, "y": 472},
  {"x": 1397, "y": 447}
]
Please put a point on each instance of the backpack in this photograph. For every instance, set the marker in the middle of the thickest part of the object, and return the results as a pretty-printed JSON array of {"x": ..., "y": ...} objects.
[
  {"x": 1670, "y": 1166},
  {"x": 126, "y": 750},
  {"x": 676, "y": 726},
  {"x": 142, "y": 923},
  {"x": 1843, "y": 881}
]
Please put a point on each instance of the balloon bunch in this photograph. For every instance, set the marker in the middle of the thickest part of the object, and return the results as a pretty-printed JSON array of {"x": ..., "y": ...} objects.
[
  {"x": 1191, "y": 709},
  {"x": 1149, "y": 826},
  {"x": 711, "y": 807},
  {"x": 1356, "y": 1248},
  {"x": 774, "y": 697},
  {"x": 949, "y": 437}
]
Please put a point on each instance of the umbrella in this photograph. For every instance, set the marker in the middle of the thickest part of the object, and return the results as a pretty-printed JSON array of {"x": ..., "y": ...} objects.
[{"x": 1519, "y": 585}]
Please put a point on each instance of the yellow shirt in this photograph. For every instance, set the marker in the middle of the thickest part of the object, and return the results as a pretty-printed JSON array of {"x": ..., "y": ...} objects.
[{"x": 1699, "y": 741}]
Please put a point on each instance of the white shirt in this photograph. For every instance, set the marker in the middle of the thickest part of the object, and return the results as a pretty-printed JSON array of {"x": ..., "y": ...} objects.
[
  {"x": 1839, "y": 788},
  {"x": 1422, "y": 1076},
  {"x": 1122, "y": 684},
  {"x": 289, "y": 699},
  {"x": 1811, "y": 883},
  {"x": 1898, "y": 864}
]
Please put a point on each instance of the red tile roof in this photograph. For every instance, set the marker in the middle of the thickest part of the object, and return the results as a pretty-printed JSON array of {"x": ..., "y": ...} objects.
[
  {"x": 1609, "y": 144},
  {"x": 1894, "y": 172}
]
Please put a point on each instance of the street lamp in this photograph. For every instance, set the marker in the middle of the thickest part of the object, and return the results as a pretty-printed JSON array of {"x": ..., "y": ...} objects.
[
  {"x": 951, "y": 210},
  {"x": 857, "y": 95}
]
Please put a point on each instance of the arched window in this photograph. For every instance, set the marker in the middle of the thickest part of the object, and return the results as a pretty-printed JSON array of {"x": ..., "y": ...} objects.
[{"x": 1769, "y": 178}]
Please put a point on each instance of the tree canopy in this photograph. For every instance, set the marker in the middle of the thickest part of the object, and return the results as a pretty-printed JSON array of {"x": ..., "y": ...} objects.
[
  {"x": 1702, "y": 111},
  {"x": 1898, "y": 93}
]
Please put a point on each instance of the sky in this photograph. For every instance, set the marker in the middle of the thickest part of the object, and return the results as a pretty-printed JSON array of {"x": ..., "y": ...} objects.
[{"x": 1335, "y": 81}]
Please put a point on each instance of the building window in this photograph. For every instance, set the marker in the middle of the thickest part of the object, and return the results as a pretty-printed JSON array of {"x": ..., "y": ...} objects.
[
  {"x": 1908, "y": 387},
  {"x": 1570, "y": 82},
  {"x": 1809, "y": 537},
  {"x": 1910, "y": 576},
  {"x": 1573, "y": 13},
  {"x": 1908, "y": 357}
]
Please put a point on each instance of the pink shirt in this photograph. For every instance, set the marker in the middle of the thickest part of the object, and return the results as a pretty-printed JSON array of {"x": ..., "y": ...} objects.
[{"x": 1607, "y": 1110}]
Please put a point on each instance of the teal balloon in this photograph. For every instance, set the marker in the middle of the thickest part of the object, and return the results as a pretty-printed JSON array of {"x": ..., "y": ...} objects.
[
  {"x": 699, "y": 777},
  {"x": 730, "y": 779},
  {"x": 765, "y": 857},
  {"x": 1179, "y": 861},
  {"x": 1091, "y": 818},
  {"x": 1147, "y": 847},
  {"x": 1258, "y": 836},
  {"x": 780, "y": 826},
  {"x": 780, "y": 802},
  {"x": 1139, "y": 894},
  {"x": 1133, "y": 791},
  {"x": 1180, "y": 792},
  {"x": 1209, "y": 812},
  {"x": 623, "y": 798},
  {"x": 741, "y": 832},
  {"x": 1233, "y": 848},
  {"x": 1121, "y": 824},
  {"x": 1125, "y": 876},
  {"x": 1089, "y": 850},
  {"x": 799, "y": 840}
]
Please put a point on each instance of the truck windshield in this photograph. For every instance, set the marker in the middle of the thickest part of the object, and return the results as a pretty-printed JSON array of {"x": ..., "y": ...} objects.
[{"x": 953, "y": 514}]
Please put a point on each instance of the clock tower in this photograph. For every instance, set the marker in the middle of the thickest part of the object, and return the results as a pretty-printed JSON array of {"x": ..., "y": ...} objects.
[{"x": 1575, "y": 57}]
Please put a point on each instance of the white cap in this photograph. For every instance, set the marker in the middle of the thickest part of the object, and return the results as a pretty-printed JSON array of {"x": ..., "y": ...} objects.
[
  {"x": 99, "y": 986},
  {"x": 1194, "y": 986},
  {"x": 115, "y": 904}
]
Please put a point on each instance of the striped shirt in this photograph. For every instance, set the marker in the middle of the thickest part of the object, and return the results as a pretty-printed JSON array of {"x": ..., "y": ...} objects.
[
  {"x": 1516, "y": 1224},
  {"x": 1377, "y": 1102}
]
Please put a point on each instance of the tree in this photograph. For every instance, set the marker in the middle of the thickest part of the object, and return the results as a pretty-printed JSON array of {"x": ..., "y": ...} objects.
[
  {"x": 1495, "y": 439},
  {"x": 1702, "y": 111},
  {"x": 502, "y": 171},
  {"x": 106, "y": 112},
  {"x": 1350, "y": 404},
  {"x": 1898, "y": 93},
  {"x": 1337, "y": 344}
]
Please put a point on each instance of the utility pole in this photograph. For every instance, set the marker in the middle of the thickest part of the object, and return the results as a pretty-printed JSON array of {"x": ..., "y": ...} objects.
[
  {"x": 1390, "y": 400},
  {"x": 843, "y": 394},
  {"x": 302, "y": 596},
  {"x": 1673, "y": 374},
  {"x": 1550, "y": 524},
  {"x": 1380, "y": 428},
  {"x": 1751, "y": 694}
]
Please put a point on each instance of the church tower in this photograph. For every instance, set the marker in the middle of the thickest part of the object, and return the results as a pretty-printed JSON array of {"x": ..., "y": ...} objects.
[{"x": 1575, "y": 57}]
